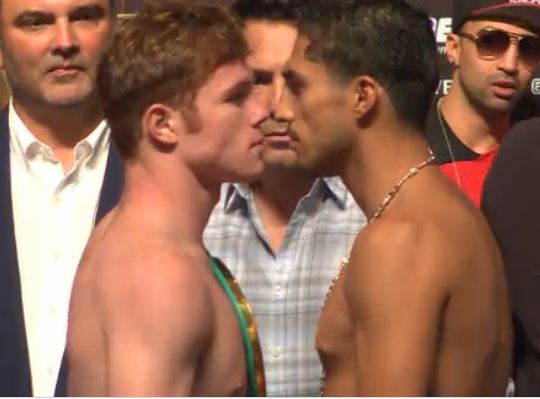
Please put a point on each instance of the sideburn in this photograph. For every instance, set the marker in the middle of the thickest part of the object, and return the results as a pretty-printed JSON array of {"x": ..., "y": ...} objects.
[{"x": 192, "y": 118}]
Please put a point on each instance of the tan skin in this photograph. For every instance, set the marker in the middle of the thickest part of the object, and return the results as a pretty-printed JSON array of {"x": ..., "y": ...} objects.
[
  {"x": 147, "y": 316},
  {"x": 270, "y": 45},
  {"x": 50, "y": 51},
  {"x": 474, "y": 109},
  {"x": 421, "y": 308}
]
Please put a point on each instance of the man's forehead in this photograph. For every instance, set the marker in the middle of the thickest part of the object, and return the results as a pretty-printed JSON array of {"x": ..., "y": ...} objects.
[
  {"x": 50, "y": 6},
  {"x": 504, "y": 24},
  {"x": 260, "y": 31},
  {"x": 269, "y": 42},
  {"x": 299, "y": 50},
  {"x": 298, "y": 59},
  {"x": 301, "y": 65},
  {"x": 301, "y": 43}
]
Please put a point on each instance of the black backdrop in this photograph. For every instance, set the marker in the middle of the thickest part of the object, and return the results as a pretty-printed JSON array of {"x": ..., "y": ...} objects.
[{"x": 440, "y": 12}]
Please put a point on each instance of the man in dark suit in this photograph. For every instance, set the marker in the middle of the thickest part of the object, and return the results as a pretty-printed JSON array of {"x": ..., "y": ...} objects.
[
  {"x": 510, "y": 202},
  {"x": 58, "y": 176}
]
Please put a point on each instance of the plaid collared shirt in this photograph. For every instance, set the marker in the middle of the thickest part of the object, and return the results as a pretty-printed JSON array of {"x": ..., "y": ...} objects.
[{"x": 286, "y": 289}]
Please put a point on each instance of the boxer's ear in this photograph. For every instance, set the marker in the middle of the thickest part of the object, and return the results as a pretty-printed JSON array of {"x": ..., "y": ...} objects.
[
  {"x": 365, "y": 95},
  {"x": 162, "y": 124}
]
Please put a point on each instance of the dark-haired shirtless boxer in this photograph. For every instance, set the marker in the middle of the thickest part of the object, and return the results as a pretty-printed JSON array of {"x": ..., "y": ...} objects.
[{"x": 421, "y": 306}]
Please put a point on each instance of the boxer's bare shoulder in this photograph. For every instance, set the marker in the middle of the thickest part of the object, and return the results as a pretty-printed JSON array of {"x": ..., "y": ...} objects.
[
  {"x": 419, "y": 295},
  {"x": 153, "y": 308}
]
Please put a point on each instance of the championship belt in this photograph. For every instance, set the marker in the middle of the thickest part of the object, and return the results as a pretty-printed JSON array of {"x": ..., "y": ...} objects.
[{"x": 250, "y": 338}]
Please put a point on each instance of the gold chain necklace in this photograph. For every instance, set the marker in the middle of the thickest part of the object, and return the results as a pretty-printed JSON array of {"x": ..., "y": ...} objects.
[
  {"x": 384, "y": 204},
  {"x": 382, "y": 207},
  {"x": 448, "y": 144}
]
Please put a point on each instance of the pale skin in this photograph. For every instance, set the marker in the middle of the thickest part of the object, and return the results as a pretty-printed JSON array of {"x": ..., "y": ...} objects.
[
  {"x": 476, "y": 110},
  {"x": 149, "y": 319},
  {"x": 421, "y": 309},
  {"x": 147, "y": 315}
]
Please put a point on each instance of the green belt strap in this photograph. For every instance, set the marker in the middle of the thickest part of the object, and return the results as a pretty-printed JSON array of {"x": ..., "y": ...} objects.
[{"x": 248, "y": 345}]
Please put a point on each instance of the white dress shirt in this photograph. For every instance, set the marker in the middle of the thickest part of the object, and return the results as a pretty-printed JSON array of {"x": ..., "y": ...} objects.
[{"x": 54, "y": 214}]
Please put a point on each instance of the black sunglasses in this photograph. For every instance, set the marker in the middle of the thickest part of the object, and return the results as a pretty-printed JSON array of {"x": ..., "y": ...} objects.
[{"x": 492, "y": 43}]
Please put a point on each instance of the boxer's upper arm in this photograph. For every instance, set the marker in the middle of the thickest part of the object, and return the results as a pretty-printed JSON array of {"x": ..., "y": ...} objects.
[
  {"x": 395, "y": 291},
  {"x": 160, "y": 329}
]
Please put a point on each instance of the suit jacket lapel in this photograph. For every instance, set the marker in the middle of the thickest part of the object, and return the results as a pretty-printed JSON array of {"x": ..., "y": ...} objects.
[
  {"x": 113, "y": 182},
  {"x": 15, "y": 379}
]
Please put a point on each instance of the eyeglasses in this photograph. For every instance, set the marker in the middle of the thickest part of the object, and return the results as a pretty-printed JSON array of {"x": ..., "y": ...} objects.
[{"x": 492, "y": 43}]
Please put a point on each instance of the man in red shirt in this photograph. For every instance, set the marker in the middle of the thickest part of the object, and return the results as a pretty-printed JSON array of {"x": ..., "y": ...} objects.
[{"x": 493, "y": 48}]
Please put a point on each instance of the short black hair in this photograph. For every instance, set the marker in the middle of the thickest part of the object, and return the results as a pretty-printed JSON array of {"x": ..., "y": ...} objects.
[
  {"x": 388, "y": 40},
  {"x": 271, "y": 10}
]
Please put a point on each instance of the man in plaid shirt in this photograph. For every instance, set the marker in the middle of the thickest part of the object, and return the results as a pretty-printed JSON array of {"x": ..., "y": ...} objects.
[{"x": 285, "y": 235}]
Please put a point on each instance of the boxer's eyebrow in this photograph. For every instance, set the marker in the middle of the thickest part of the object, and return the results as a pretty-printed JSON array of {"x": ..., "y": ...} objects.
[{"x": 239, "y": 91}]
